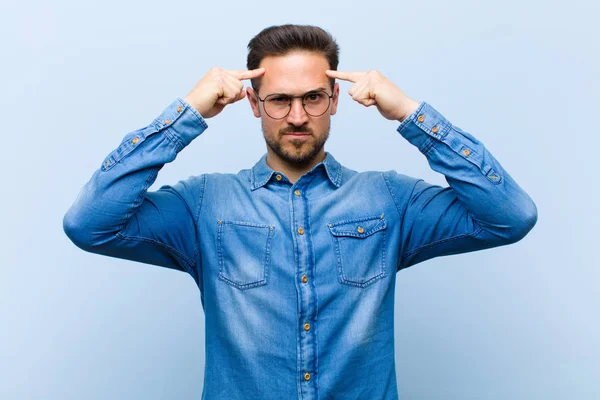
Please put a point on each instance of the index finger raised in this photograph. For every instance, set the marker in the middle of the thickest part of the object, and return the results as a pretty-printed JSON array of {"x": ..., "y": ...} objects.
[
  {"x": 247, "y": 74},
  {"x": 345, "y": 76}
]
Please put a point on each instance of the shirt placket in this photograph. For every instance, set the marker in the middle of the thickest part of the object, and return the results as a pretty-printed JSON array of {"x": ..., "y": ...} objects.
[{"x": 306, "y": 290}]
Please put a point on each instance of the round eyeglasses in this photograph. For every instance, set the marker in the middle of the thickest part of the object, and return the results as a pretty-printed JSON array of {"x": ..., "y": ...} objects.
[{"x": 278, "y": 106}]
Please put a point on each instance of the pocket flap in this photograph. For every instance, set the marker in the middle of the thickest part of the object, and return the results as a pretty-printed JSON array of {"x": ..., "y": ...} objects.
[{"x": 358, "y": 227}]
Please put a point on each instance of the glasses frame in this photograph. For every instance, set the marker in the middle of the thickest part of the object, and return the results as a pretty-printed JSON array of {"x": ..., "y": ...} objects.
[{"x": 290, "y": 98}]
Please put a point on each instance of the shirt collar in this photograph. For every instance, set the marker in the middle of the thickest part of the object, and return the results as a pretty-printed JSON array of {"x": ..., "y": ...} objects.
[{"x": 261, "y": 172}]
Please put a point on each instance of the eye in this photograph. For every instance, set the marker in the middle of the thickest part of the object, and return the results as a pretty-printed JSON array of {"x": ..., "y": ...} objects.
[{"x": 279, "y": 99}]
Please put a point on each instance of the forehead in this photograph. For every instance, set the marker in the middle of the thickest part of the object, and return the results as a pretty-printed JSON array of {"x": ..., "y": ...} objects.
[{"x": 294, "y": 73}]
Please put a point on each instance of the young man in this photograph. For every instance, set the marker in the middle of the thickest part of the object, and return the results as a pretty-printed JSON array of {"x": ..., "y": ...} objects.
[{"x": 296, "y": 257}]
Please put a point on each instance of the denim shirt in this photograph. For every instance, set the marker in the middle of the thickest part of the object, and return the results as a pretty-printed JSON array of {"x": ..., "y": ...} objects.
[{"x": 297, "y": 281}]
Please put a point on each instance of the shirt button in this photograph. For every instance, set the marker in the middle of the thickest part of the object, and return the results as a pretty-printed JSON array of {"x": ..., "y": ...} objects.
[
  {"x": 134, "y": 140},
  {"x": 278, "y": 177},
  {"x": 179, "y": 109},
  {"x": 306, "y": 326},
  {"x": 297, "y": 192},
  {"x": 466, "y": 152},
  {"x": 435, "y": 129},
  {"x": 360, "y": 229},
  {"x": 304, "y": 279},
  {"x": 307, "y": 376},
  {"x": 421, "y": 118},
  {"x": 301, "y": 231}
]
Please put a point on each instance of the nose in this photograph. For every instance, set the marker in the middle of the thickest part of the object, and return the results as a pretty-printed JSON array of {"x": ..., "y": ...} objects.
[{"x": 297, "y": 115}]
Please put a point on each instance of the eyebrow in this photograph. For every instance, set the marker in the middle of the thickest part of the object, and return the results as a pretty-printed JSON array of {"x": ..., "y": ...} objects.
[{"x": 310, "y": 91}]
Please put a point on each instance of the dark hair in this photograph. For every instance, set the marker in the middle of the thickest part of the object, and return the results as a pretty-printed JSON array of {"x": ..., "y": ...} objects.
[{"x": 283, "y": 39}]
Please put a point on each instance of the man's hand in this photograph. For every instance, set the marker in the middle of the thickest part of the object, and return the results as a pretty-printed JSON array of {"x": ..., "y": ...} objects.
[
  {"x": 372, "y": 88},
  {"x": 218, "y": 88}
]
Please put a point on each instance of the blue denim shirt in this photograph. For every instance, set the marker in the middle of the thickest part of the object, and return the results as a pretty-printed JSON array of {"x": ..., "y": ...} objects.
[{"x": 297, "y": 280}]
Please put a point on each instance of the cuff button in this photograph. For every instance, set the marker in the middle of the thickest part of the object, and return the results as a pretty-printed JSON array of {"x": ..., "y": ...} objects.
[
  {"x": 135, "y": 140},
  {"x": 435, "y": 129},
  {"x": 421, "y": 118},
  {"x": 179, "y": 109}
]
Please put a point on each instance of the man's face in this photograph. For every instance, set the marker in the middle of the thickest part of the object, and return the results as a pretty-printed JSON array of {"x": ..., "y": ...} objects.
[{"x": 294, "y": 74}]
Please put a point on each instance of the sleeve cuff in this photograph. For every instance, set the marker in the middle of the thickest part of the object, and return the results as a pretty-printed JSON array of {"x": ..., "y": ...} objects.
[
  {"x": 424, "y": 125},
  {"x": 183, "y": 122}
]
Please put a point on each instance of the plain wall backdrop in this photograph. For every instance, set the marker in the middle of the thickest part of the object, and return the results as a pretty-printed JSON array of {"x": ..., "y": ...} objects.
[{"x": 516, "y": 322}]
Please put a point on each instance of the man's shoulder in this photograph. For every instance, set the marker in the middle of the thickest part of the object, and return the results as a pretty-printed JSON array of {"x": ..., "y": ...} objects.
[{"x": 378, "y": 175}]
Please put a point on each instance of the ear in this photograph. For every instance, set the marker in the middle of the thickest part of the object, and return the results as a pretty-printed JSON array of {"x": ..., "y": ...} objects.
[
  {"x": 254, "y": 103},
  {"x": 335, "y": 98}
]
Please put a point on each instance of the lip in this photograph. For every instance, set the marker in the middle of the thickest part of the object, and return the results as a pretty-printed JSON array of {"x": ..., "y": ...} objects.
[{"x": 297, "y": 134}]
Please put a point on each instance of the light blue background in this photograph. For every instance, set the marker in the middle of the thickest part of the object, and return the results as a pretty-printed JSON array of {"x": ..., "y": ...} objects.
[{"x": 517, "y": 322}]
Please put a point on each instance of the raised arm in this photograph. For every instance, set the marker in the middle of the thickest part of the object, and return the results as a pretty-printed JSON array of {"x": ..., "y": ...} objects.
[
  {"x": 482, "y": 208},
  {"x": 115, "y": 215}
]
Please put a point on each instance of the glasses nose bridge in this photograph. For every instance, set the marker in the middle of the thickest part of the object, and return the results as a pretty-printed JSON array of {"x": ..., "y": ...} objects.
[{"x": 300, "y": 99}]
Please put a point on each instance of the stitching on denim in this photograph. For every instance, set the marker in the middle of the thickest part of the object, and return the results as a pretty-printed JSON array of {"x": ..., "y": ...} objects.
[
  {"x": 407, "y": 120},
  {"x": 267, "y": 257},
  {"x": 482, "y": 166},
  {"x": 337, "y": 230},
  {"x": 310, "y": 249},
  {"x": 357, "y": 219},
  {"x": 196, "y": 220},
  {"x": 400, "y": 213},
  {"x": 136, "y": 203},
  {"x": 343, "y": 279},
  {"x": 126, "y": 147},
  {"x": 440, "y": 241},
  {"x": 242, "y": 286},
  {"x": 263, "y": 182},
  {"x": 195, "y": 113},
  {"x": 176, "y": 193},
  {"x": 174, "y": 138},
  {"x": 428, "y": 145},
  {"x": 201, "y": 197},
  {"x": 170, "y": 249},
  {"x": 335, "y": 179}
]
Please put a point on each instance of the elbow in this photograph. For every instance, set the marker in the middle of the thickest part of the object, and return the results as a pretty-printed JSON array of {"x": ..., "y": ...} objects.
[
  {"x": 76, "y": 230},
  {"x": 523, "y": 221},
  {"x": 72, "y": 228}
]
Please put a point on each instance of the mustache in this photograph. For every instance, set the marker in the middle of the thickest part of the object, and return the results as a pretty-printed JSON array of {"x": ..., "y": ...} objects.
[{"x": 296, "y": 129}]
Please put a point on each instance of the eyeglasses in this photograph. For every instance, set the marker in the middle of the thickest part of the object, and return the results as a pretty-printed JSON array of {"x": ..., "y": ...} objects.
[{"x": 278, "y": 106}]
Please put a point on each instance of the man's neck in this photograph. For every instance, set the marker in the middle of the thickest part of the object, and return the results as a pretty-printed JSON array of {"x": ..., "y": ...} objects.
[{"x": 292, "y": 171}]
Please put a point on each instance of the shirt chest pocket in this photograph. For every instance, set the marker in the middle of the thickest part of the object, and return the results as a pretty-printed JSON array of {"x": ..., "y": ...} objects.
[
  {"x": 359, "y": 250},
  {"x": 244, "y": 251}
]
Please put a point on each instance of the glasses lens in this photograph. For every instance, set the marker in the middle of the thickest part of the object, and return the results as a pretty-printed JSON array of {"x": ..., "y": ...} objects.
[
  {"x": 277, "y": 105},
  {"x": 316, "y": 103}
]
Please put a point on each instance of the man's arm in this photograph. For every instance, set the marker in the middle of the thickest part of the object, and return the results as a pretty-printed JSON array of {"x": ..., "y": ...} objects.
[
  {"x": 483, "y": 207},
  {"x": 114, "y": 214}
]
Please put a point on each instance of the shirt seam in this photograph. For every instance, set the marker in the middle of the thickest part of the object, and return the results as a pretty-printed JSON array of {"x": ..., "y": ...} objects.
[
  {"x": 403, "y": 256},
  {"x": 170, "y": 249},
  {"x": 387, "y": 185},
  {"x": 435, "y": 243}
]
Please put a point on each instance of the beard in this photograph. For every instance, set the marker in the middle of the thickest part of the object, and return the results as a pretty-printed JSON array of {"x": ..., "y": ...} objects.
[{"x": 296, "y": 151}]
